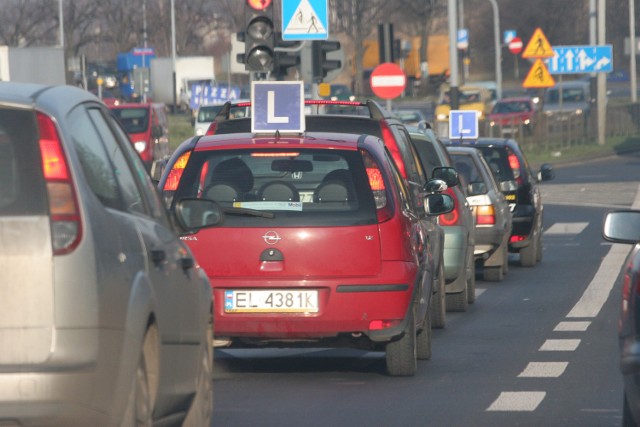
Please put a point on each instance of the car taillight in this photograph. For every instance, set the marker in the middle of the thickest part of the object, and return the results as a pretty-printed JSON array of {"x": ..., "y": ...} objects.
[
  {"x": 171, "y": 184},
  {"x": 514, "y": 164},
  {"x": 66, "y": 227},
  {"x": 627, "y": 284},
  {"x": 211, "y": 130},
  {"x": 452, "y": 217},
  {"x": 376, "y": 182},
  {"x": 485, "y": 214},
  {"x": 392, "y": 145},
  {"x": 516, "y": 238}
]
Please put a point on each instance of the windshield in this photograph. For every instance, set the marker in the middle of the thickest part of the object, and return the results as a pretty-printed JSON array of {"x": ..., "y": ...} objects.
[{"x": 134, "y": 120}]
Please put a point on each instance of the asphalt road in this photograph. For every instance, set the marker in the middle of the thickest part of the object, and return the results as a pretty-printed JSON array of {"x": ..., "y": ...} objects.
[{"x": 538, "y": 349}]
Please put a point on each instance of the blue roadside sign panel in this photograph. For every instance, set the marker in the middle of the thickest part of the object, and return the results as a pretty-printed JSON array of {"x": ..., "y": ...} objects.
[
  {"x": 277, "y": 106},
  {"x": 581, "y": 59},
  {"x": 305, "y": 19},
  {"x": 463, "y": 124}
]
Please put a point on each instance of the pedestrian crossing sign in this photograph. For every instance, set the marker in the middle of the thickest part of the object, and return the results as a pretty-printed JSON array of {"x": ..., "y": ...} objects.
[
  {"x": 538, "y": 46},
  {"x": 305, "y": 20},
  {"x": 539, "y": 76}
]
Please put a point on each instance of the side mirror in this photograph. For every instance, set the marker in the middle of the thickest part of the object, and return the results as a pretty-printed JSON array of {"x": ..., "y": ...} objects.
[
  {"x": 622, "y": 226},
  {"x": 546, "y": 172},
  {"x": 438, "y": 204},
  {"x": 194, "y": 214},
  {"x": 447, "y": 174},
  {"x": 156, "y": 131},
  {"x": 435, "y": 186}
]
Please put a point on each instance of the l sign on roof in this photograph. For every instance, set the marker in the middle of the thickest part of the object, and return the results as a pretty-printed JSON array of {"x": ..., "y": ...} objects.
[
  {"x": 463, "y": 124},
  {"x": 277, "y": 106}
]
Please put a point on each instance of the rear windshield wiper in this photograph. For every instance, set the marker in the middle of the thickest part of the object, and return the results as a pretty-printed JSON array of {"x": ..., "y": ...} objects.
[{"x": 249, "y": 212}]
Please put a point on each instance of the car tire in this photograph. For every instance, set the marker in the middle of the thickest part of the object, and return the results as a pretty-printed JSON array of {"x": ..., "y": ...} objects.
[
  {"x": 201, "y": 410},
  {"x": 459, "y": 301},
  {"x": 505, "y": 265},
  {"x": 627, "y": 415},
  {"x": 144, "y": 387},
  {"x": 401, "y": 354},
  {"x": 493, "y": 274},
  {"x": 471, "y": 279},
  {"x": 528, "y": 254},
  {"x": 439, "y": 306},
  {"x": 423, "y": 340},
  {"x": 539, "y": 247}
]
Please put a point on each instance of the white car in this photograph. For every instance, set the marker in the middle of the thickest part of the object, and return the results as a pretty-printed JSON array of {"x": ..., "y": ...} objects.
[{"x": 207, "y": 113}]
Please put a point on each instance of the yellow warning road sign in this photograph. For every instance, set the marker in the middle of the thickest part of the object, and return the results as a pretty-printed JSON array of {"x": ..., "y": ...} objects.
[
  {"x": 538, "y": 76},
  {"x": 538, "y": 46}
]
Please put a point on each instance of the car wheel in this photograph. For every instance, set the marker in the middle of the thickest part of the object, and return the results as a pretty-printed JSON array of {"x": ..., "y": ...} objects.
[
  {"x": 493, "y": 274},
  {"x": 201, "y": 409},
  {"x": 459, "y": 301},
  {"x": 439, "y": 307},
  {"x": 144, "y": 387},
  {"x": 529, "y": 253},
  {"x": 471, "y": 279},
  {"x": 539, "y": 247},
  {"x": 505, "y": 265},
  {"x": 423, "y": 340},
  {"x": 627, "y": 415},
  {"x": 401, "y": 354}
]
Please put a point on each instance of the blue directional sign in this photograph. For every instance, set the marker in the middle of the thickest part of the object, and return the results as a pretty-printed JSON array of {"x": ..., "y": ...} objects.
[
  {"x": 508, "y": 35},
  {"x": 305, "y": 19},
  {"x": 463, "y": 38},
  {"x": 277, "y": 106},
  {"x": 581, "y": 59},
  {"x": 463, "y": 124}
]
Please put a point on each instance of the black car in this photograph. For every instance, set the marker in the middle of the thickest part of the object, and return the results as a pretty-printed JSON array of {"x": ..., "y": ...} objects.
[
  {"x": 623, "y": 226},
  {"x": 520, "y": 186}
]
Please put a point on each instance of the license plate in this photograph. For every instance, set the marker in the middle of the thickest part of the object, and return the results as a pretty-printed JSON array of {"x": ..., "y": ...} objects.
[{"x": 271, "y": 301}]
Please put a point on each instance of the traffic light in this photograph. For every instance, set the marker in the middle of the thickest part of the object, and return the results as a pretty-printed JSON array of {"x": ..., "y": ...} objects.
[
  {"x": 321, "y": 66},
  {"x": 258, "y": 36},
  {"x": 287, "y": 55}
]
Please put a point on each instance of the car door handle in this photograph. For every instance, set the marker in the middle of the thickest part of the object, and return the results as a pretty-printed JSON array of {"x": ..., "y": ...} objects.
[{"x": 158, "y": 256}]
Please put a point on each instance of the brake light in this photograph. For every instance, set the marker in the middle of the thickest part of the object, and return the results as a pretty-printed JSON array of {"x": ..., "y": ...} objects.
[
  {"x": 392, "y": 145},
  {"x": 485, "y": 215},
  {"x": 211, "y": 130},
  {"x": 452, "y": 217},
  {"x": 627, "y": 284},
  {"x": 376, "y": 325},
  {"x": 516, "y": 238},
  {"x": 376, "y": 182},
  {"x": 514, "y": 164},
  {"x": 171, "y": 184},
  {"x": 66, "y": 227}
]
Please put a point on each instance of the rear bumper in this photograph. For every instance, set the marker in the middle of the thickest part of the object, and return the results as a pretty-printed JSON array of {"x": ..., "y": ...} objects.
[
  {"x": 630, "y": 368},
  {"x": 488, "y": 240},
  {"x": 346, "y": 306}
]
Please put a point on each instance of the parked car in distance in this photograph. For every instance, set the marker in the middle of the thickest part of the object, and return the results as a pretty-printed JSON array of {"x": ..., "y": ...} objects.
[
  {"x": 458, "y": 225},
  {"x": 207, "y": 114},
  {"x": 520, "y": 185},
  {"x": 409, "y": 117},
  {"x": 512, "y": 116},
  {"x": 320, "y": 244},
  {"x": 623, "y": 226},
  {"x": 369, "y": 118},
  {"x": 148, "y": 128},
  {"x": 490, "y": 209},
  {"x": 105, "y": 317},
  {"x": 568, "y": 100}
]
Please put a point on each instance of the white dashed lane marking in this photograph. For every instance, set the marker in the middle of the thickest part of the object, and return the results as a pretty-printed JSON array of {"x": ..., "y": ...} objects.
[
  {"x": 517, "y": 401},
  {"x": 572, "y": 326},
  {"x": 560, "y": 345},
  {"x": 564, "y": 228},
  {"x": 544, "y": 370}
]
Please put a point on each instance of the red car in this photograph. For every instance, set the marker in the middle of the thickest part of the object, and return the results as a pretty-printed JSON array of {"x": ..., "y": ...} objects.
[
  {"x": 308, "y": 241},
  {"x": 511, "y": 116}
]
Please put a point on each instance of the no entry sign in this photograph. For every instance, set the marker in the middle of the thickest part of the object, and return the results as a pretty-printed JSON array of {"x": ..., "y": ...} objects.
[
  {"x": 388, "y": 80},
  {"x": 515, "y": 45}
]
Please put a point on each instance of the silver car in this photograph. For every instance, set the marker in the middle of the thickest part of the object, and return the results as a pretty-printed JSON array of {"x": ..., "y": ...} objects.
[
  {"x": 490, "y": 209},
  {"x": 105, "y": 318},
  {"x": 458, "y": 225}
]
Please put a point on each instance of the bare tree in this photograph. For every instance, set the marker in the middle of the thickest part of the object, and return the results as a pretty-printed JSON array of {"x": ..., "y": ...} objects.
[{"x": 28, "y": 23}]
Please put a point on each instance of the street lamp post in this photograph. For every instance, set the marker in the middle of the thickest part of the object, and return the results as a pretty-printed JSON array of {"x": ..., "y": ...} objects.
[
  {"x": 173, "y": 54},
  {"x": 497, "y": 47}
]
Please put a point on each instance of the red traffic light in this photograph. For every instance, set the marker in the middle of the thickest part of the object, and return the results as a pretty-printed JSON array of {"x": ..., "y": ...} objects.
[{"x": 259, "y": 4}]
